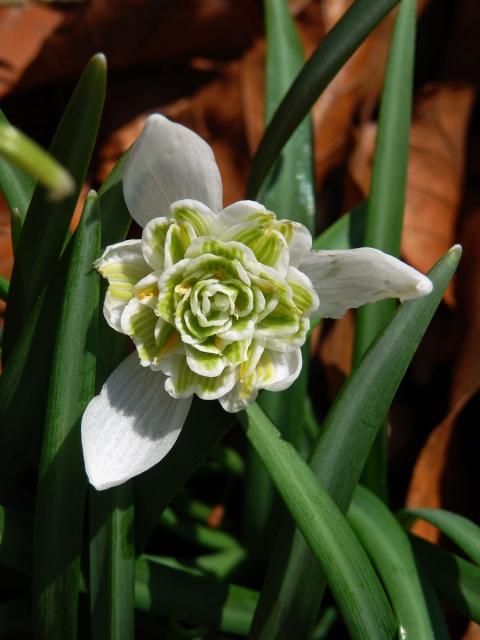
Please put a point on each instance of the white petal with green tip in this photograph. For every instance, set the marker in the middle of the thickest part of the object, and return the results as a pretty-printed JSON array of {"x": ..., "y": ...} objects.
[
  {"x": 130, "y": 426},
  {"x": 349, "y": 278},
  {"x": 205, "y": 364},
  {"x": 167, "y": 163},
  {"x": 239, "y": 213},
  {"x": 202, "y": 219},
  {"x": 183, "y": 382},
  {"x": 139, "y": 322},
  {"x": 123, "y": 265}
]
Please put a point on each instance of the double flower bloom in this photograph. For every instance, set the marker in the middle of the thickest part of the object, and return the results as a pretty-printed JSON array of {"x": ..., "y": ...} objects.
[{"x": 218, "y": 302}]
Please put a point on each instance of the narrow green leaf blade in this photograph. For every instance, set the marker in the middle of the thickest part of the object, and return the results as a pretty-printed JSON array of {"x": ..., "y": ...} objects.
[
  {"x": 332, "y": 53},
  {"x": 387, "y": 199},
  {"x": 291, "y": 597},
  {"x": 62, "y": 483},
  {"x": 72, "y": 146},
  {"x": 4, "y": 286},
  {"x": 462, "y": 531},
  {"x": 389, "y": 548},
  {"x": 27, "y": 155},
  {"x": 112, "y": 563},
  {"x": 350, "y": 576},
  {"x": 112, "y": 547},
  {"x": 16, "y": 185},
  {"x": 456, "y": 580},
  {"x": 288, "y": 191}
]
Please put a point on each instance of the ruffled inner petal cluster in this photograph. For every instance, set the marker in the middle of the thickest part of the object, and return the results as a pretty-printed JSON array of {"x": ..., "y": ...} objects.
[{"x": 214, "y": 301}]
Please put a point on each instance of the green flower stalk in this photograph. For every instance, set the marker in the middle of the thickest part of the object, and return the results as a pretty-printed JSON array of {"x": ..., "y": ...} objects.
[{"x": 217, "y": 301}]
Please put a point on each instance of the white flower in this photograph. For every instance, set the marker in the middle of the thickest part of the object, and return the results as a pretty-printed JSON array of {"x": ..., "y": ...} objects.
[{"x": 217, "y": 301}]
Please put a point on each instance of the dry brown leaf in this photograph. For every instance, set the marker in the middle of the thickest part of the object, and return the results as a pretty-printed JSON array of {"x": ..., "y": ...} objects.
[
  {"x": 215, "y": 113},
  {"x": 439, "y": 454},
  {"x": 472, "y": 632},
  {"x": 23, "y": 32},
  {"x": 435, "y": 173},
  {"x": 143, "y": 31}
]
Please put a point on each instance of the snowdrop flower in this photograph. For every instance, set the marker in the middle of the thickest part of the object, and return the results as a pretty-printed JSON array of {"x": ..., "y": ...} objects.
[{"x": 217, "y": 301}]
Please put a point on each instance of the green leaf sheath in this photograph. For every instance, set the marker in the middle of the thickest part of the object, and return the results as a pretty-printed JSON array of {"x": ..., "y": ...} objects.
[
  {"x": 4, "y": 286},
  {"x": 329, "y": 57},
  {"x": 291, "y": 596},
  {"x": 61, "y": 483},
  {"x": 456, "y": 580},
  {"x": 389, "y": 548},
  {"x": 72, "y": 146},
  {"x": 462, "y": 531},
  {"x": 350, "y": 576},
  {"x": 16, "y": 185},
  {"x": 387, "y": 199},
  {"x": 288, "y": 190}
]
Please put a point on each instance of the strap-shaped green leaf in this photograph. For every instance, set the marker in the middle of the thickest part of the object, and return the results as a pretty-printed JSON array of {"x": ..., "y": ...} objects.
[
  {"x": 346, "y": 233},
  {"x": 456, "y": 580},
  {"x": 291, "y": 596},
  {"x": 26, "y": 154},
  {"x": 16, "y": 185},
  {"x": 61, "y": 483},
  {"x": 46, "y": 224},
  {"x": 350, "y": 576},
  {"x": 112, "y": 546},
  {"x": 288, "y": 190},
  {"x": 330, "y": 56},
  {"x": 389, "y": 548},
  {"x": 462, "y": 531},
  {"x": 387, "y": 199}
]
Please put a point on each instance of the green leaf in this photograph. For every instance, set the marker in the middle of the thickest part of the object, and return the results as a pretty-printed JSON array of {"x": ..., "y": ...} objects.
[
  {"x": 462, "y": 531},
  {"x": 4, "y": 286},
  {"x": 288, "y": 190},
  {"x": 456, "y": 580},
  {"x": 387, "y": 199},
  {"x": 186, "y": 595},
  {"x": 114, "y": 213},
  {"x": 292, "y": 593},
  {"x": 350, "y": 576},
  {"x": 72, "y": 146},
  {"x": 112, "y": 563},
  {"x": 206, "y": 424},
  {"x": 112, "y": 548},
  {"x": 62, "y": 484},
  {"x": 389, "y": 548},
  {"x": 346, "y": 233},
  {"x": 27, "y": 155},
  {"x": 15, "y": 540},
  {"x": 16, "y": 185},
  {"x": 330, "y": 56}
]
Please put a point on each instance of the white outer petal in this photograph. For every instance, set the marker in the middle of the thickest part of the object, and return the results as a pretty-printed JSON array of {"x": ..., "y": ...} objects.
[
  {"x": 347, "y": 279},
  {"x": 131, "y": 425},
  {"x": 169, "y": 162}
]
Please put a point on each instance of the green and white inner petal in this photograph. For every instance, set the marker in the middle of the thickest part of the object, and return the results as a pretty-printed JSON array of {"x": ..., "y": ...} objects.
[
  {"x": 202, "y": 219},
  {"x": 139, "y": 322},
  {"x": 205, "y": 364},
  {"x": 183, "y": 382},
  {"x": 241, "y": 212},
  {"x": 304, "y": 296},
  {"x": 164, "y": 242},
  {"x": 146, "y": 289},
  {"x": 287, "y": 343},
  {"x": 123, "y": 265},
  {"x": 347, "y": 279},
  {"x": 298, "y": 239}
]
